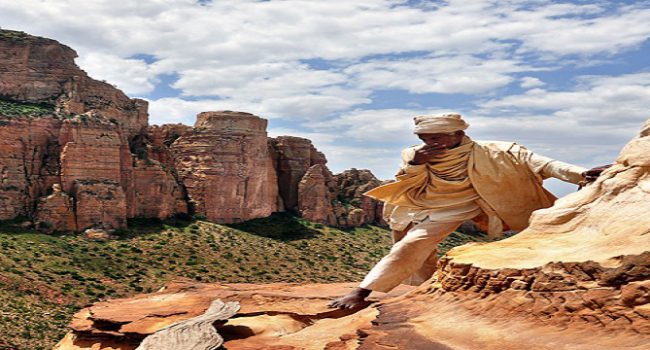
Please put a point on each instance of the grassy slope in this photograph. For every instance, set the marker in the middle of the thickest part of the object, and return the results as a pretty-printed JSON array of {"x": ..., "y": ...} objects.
[{"x": 45, "y": 279}]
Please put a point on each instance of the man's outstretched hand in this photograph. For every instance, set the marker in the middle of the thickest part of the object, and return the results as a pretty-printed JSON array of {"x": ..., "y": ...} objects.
[
  {"x": 592, "y": 174},
  {"x": 353, "y": 300}
]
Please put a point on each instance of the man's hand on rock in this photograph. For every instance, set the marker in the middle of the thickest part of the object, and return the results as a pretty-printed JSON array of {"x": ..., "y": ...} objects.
[
  {"x": 427, "y": 152},
  {"x": 592, "y": 174},
  {"x": 353, "y": 300}
]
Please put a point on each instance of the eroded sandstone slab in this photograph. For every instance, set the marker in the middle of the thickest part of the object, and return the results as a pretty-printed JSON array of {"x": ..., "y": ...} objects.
[{"x": 297, "y": 313}]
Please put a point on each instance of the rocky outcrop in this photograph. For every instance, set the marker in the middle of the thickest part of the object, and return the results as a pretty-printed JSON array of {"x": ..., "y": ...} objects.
[
  {"x": 160, "y": 138},
  {"x": 577, "y": 278},
  {"x": 315, "y": 196},
  {"x": 225, "y": 166},
  {"x": 55, "y": 213},
  {"x": 35, "y": 69},
  {"x": 352, "y": 184},
  {"x": 99, "y": 203},
  {"x": 295, "y": 155},
  {"x": 59, "y": 127},
  {"x": 337, "y": 200},
  {"x": 266, "y": 312},
  {"x": 28, "y": 162},
  {"x": 91, "y": 150},
  {"x": 156, "y": 192}
]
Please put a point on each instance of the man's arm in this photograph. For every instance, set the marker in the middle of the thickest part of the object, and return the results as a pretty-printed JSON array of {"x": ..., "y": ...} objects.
[{"x": 547, "y": 167}]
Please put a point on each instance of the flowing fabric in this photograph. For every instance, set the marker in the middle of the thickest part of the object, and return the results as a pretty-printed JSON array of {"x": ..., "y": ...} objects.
[
  {"x": 507, "y": 177},
  {"x": 444, "y": 184},
  {"x": 442, "y": 193}
]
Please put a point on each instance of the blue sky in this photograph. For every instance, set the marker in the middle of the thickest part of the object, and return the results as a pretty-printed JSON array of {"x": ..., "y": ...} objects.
[{"x": 570, "y": 80}]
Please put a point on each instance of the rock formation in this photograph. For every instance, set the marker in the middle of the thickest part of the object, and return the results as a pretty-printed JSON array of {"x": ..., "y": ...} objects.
[
  {"x": 40, "y": 70},
  {"x": 337, "y": 200},
  {"x": 577, "y": 278},
  {"x": 271, "y": 310},
  {"x": 55, "y": 212},
  {"x": 225, "y": 166},
  {"x": 294, "y": 156},
  {"x": 92, "y": 142}
]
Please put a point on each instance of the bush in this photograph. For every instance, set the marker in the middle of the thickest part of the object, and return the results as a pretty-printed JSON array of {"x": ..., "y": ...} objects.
[{"x": 199, "y": 217}]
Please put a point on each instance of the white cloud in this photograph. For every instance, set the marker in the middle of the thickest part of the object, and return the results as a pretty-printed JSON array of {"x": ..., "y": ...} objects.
[
  {"x": 133, "y": 76},
  {"x": 609, "y": 101},
  {"x": 175, "y": 110},
  {"x": 530, "y": 82},
  {"x": 446, "y": 74}
]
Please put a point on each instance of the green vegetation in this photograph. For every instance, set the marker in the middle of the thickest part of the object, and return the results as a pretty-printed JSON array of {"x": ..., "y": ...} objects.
[
  {"x": 19, "y": 109},
  {"x": 14, "y": 35},
  {"x": 45, "y": 279}
]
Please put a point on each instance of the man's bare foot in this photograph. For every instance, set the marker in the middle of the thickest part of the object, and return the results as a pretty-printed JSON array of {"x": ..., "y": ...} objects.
[{"x": 353, "y": 300}]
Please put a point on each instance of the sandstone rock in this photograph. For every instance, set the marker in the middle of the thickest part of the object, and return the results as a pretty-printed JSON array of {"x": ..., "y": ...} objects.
[
  {"x": 97, "y": 234},
  {"x": 267, "y": 312},
  {"x": 225, "y": 166},
  {"x": 295, "y": 155},
  {"x": 157, "y": 194},
  {"x": 161, "y": 138},
  {"x": 56, "y": 212},
  {"x": 91, "y": 150},
  {"x": 100, "y": 203},
  {"x": 26, "y": 162},
  {"x": 352, "y": 184},
  {"x": 36, "y": 69},
  {"x": 337, "y": 200},
  {"x": 315, "y": 196}
]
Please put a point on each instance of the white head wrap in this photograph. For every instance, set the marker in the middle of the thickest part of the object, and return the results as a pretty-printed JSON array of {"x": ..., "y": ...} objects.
[{"x": 440, "y": 123}]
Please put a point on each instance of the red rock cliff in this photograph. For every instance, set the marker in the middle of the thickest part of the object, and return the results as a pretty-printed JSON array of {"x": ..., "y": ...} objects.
[{"x": 92, "y": 143}]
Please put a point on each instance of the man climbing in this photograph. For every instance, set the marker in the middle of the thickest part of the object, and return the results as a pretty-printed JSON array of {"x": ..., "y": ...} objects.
[{"x": 450, "y": 179}]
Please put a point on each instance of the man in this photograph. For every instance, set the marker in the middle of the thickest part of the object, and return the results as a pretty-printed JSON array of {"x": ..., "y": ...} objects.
[{"x": 450, "y": 179}]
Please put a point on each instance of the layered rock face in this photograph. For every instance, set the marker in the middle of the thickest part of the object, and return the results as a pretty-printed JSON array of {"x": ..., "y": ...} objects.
[
  {"x": 56, "y": 212},
  {"x": 40, "y": 70},
  {"x": 79, "y": 142},
  {"x": 92, "y": 142},
  {"x": 338, "y": 200},
  {"x": 225, "y": 166},
  {"x": 294, "y": 156},
  {"x": 28, "y": 162},
  {"x": 577, "y": 278}
]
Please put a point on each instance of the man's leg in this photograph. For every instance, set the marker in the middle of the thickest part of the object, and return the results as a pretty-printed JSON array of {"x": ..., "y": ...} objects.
[
  {"x": 406, "y": 256},
  {"x": 428, "y": 267}
]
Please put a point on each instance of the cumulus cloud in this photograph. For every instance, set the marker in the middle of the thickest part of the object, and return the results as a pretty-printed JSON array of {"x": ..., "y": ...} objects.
[
  {"x": 446, "y": 74},
  {"x": 133, "y": 76},
  {"x": 604, "y": 101},
  {"x": 530, "y": 82}
]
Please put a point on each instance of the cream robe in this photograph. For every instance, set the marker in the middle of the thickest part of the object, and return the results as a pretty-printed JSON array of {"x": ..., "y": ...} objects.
[{"x": 507, "y": 178}]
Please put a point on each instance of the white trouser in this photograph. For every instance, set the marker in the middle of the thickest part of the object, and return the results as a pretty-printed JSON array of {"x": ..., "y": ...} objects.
[{"x": 413, "y": 255}]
